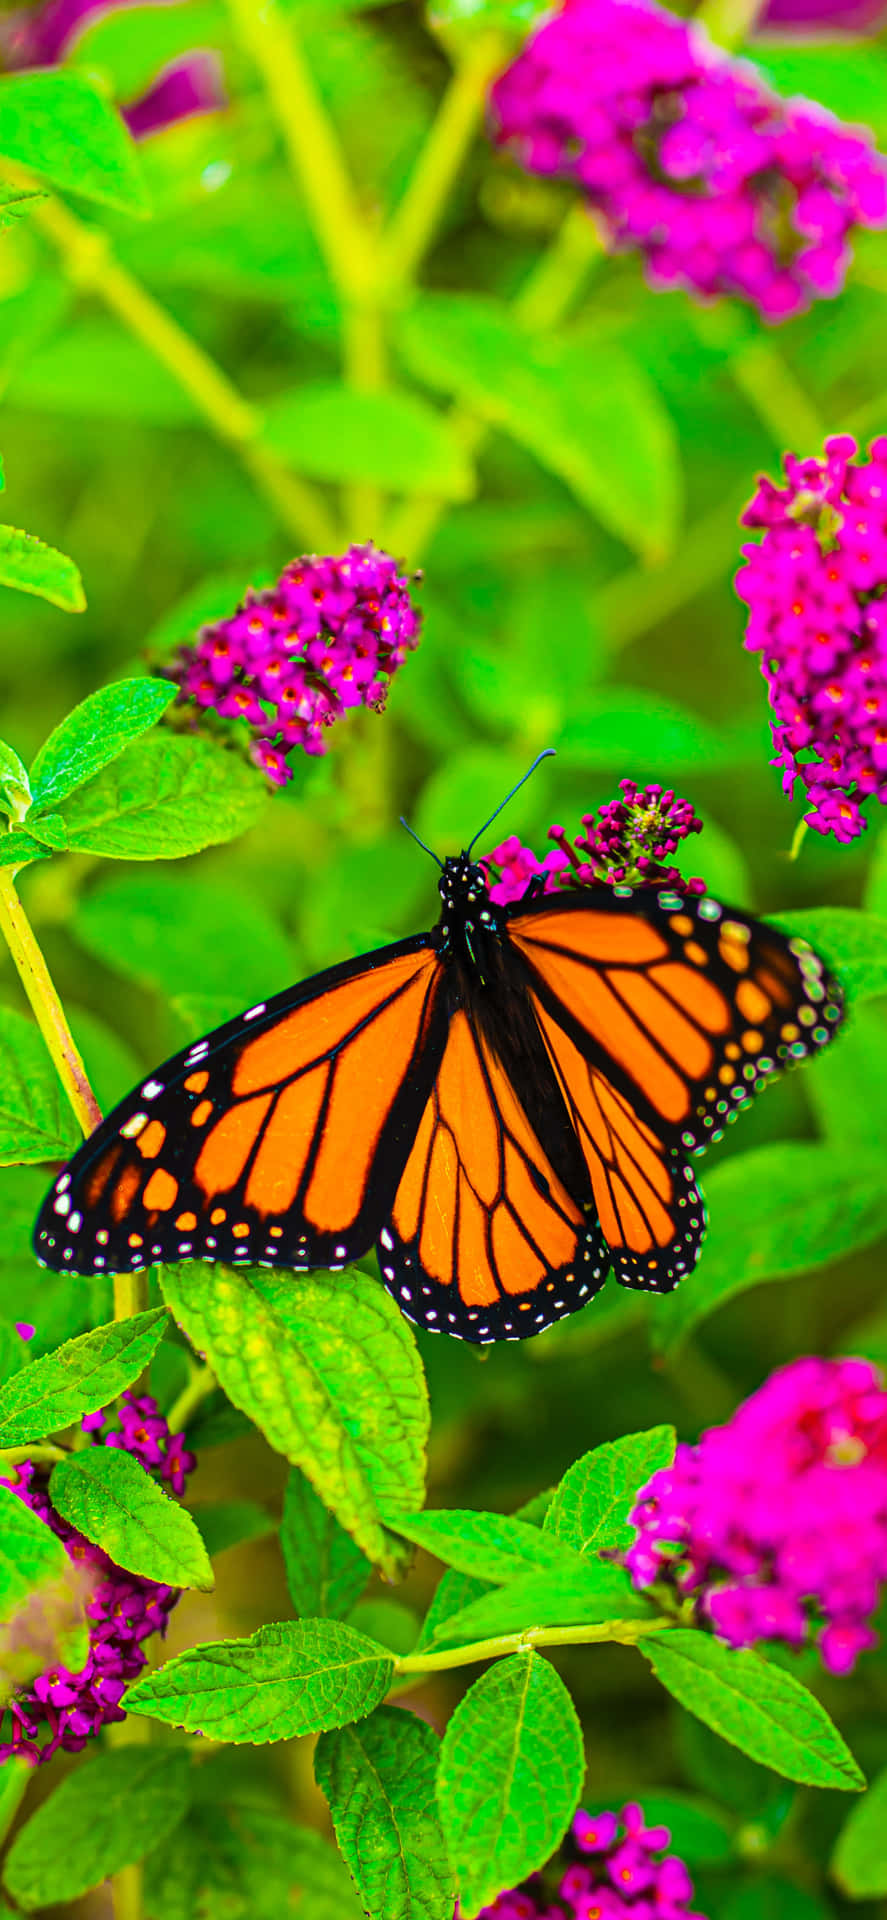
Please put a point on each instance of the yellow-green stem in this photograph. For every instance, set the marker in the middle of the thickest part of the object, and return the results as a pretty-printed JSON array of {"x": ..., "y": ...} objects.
[
  {"x": 625, "y": 1633},
  {"x": 126, "y": 1893},
  {"x": 46, "y": 1454},
  {"x": 131, "y": 1294},
  {"x": 412, "y": 226},
  {"x": 48, "y": 1011},
  {"x": 366, "y": 371},
  {"x": 729, "y": 22}
]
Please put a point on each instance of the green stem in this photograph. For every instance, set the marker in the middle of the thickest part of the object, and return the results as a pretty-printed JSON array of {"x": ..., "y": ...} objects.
[
  {"x": 45, "y": 1454},
  {"x": 415, "y": 221},
  {"x": 365, "y": 371},
  {"x": 48, "y": 1011},
  {"x": 126, "y": 1893},
  {"x": 90, "y": 264},
  {"x": 201, "y": 1384},
  {"x": 552, "y": 286},
  {"x": 626, "y": 1633},
  {"x": 798, "y": 838},
  {"x": 131, "y": 1294}
]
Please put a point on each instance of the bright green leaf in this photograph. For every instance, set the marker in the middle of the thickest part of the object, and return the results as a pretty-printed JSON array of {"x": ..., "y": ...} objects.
[
  {"x": 108, "y": 1496},
  {"x": 597, "y": 1595},
  {"x": 859, "y": 1862},
  {"x": 379, "y": 1779},
  {"x": 390, "y": 439},
  {"x": 31, "y": 1555},
  {"x": 590, "y": 1508},
  {"x": 15, "y": 787},
  {"x": 28, "y": 564},
  {"x": 492, "y": 1546},
  {"x": 300, "y": 1676},
  {"x": 60, "y": 125},
  {"x": 854, "y": 944},
  {"x": 848, "y": 1090},
  {"x": 757, "y": 1706},
  {"x": 17, "y": 849},
  {"x": 105, "y": 1815},
  {"x": 94, "y": 734},
  {"x": 329, "y": 1370},
  {"x": 81, "y": 1376},
  {"x": 616, "y": 726},
  {"x": 36, "y": 1122},
  {"x": 326, "y": 1571},
  {"x": 164, "y": 797},
  {"x": 13, "y": 204},
  {"x": 510, "y": 1776},
  {"x": 452, "y": 1595}
]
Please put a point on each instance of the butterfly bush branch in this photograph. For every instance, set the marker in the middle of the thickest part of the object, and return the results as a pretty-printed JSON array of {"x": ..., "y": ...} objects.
[
  {"x": 623, "y": 1633},
  {"x": 415, "y": 220},
  {"x": 48, "y": 1010}
]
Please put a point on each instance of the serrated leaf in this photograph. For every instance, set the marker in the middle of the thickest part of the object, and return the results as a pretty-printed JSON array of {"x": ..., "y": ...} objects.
[
  {"x": 83, "y": 1375},
  {"x": 326, "y": 1572},
  {"x": 853, "y": 942},
  {"x": 329, "y": 1371},
  {"x": 788, "y": 1207},
  {"x": 597, "y": 1595},
  {"x": 94, "y": 734},
  {"x": 859, "y": 1861},
  {"x": 108, "y": 1496},
  {"x": 757, "y": 1706},
  {"x": 36, "y": 1122},
  {"x": 30, "y": 1553},
  {"x": 106, "y": 1815},
  {"x": 492, "y": 1546},
  {"x": 300, "y": 1676},
  {"x": 61, "y": 126},
  {"x": 391, "y": 439},
  {"x": 31, "y": 566},
  {"x": 379, "y": 1779},
  {"x": 229, "y": 1523},
  {"x": 590, "y": 1507},
  {"x": 165, "y": 797},
  {"x": 503, "y": 1818}
]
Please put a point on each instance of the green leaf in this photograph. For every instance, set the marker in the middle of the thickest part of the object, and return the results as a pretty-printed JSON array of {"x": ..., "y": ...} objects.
[
  {"x": 60, "y": 125},
  {"x": 391, "y": 439},
  {"x": 229, "y": 1523},
  {"x": 80, "y": 1377},
  {"x": 859, "y": 1862},
  {"x": 171, "y": 934},
  {"x": 777, "y": 1210},
  {"x": 583, "y": 406},
  {"x": 28, "y": 564},
  {"x": 300, "y": 1676},
  {"x": 510, "y": 1776},
  {"x": 92, "y": 369},
  {"x": 453, "y": 1593},
  {"x": 597, "y": 1595},
  {"x": 325, "y": 1571},
  {"x": 94, "y": 734},
  {"x": 15, "y": 1776},
  {"x": 15, "y": 787},
  {"x": 36, "y": 1122},
  {"x": 379, "y": 1779},
  {"x": 165, "y": 797},
  {"x": 49, "y": 829},
  {"x": 492, "y": 1546},
  {"x": 590, "y": 1507},
  {"x": 31, "y": 1555},
  {"x": 13, "y": 204},
  {"x": 618, "y": 726},
  {"x": 757, "y": 1706},
  {"x": 17, "y": 849},
  {"x": 848, "y": 1091},
  {"x": 108, "y": 1496},
  {"x": 700, "y": 1832},
  {"x": 329, "y": 1371},
  {"x": 853, "y": 942},
  {"x": 105, "y": 1815},
  {"x": 772, "y": 1898}
]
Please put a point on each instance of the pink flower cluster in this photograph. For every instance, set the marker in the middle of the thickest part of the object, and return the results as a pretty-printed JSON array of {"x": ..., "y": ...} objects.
[
  {"x": 776, "y": 1524},
  {"x": 61, "y": 1710},
  {"x": 688, "y": 156},
  {"x": 624, "y": 844},
  {"x": 294, "y": 658},
  {"x": 612, "y": 1864},
  {"x": 816, "y": 589}
]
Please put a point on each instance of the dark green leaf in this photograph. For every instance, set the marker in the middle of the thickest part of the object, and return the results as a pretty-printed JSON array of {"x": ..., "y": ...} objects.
[
  {"x": 379, "y": 1779},
  {"x": 391, "y": 439},
  {"x": 28, "y": 564},
  {"x": 329, "y": 1370},
  {"x": 36, "y": 1122},
  {"x": 165, "y": 797},
  {"x": 108, "y": 1496},
  {"x": 757, "y": 1706},
  {"x": 325, "y": 1571},
  {"x": 94, "y": 735},
  {"x": 590, "y": 1508},
  {"x": 503, "y": 1818},
  {"x": 297, "y": 1677},
  {"x": 60, "y": 125},
  {"x": 104, "y": 1816},
  {"x": 854, "y": 944},
  {"x": 229, "y": 1523},
  {"x": 859, "y": 1862},
  {"x": 700, "y": 1831},
  {"x": 80, "y": 1377},
  {"x": 492, "y": 1546},
  {"x": 770, "y": 1898}
]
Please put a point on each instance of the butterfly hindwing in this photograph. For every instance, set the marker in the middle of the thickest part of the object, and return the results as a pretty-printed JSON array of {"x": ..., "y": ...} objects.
[
  {"x": 662, "y": 1017},
  {"x": 279, "y": 1138}
]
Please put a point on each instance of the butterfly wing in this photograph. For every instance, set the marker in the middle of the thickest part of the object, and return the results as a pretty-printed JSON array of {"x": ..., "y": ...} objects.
[
  {"x": 662, "y": 1017},
  {"x": 279, "y": 1138},
  {"x": 484, "y": 1239}
]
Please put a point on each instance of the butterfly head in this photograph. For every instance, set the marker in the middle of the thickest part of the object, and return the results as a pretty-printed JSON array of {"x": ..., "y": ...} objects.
[{"x": 469, "y": 917}]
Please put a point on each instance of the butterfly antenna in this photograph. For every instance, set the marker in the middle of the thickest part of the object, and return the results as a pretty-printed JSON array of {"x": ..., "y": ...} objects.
[
  {"x": 420, "y": 843},
  {"x": 544, "y": 755}
]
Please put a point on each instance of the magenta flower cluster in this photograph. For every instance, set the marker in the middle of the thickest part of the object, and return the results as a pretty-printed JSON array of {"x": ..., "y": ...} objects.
[
  {"x": 775, "y": 1525},
  {"x": 295, "y": 657},
  {"x": 625, "y": 843},
  {"x": 612, "y": 1864},
  {"x": 61, "y": 1710},
  {"x": 688, "y": 156},
  {"x": 816, "y": 589}
]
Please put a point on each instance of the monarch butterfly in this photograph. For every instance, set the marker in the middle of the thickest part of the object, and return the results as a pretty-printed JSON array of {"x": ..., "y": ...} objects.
[{"x": 504, "y": 1105}]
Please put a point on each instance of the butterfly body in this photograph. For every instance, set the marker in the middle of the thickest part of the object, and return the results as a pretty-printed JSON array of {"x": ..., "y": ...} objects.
[{"x": 505, "y": 1106}]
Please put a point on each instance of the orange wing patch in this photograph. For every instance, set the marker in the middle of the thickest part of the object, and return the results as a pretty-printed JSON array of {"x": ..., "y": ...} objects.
[{"x": 484, "y": 1239}]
